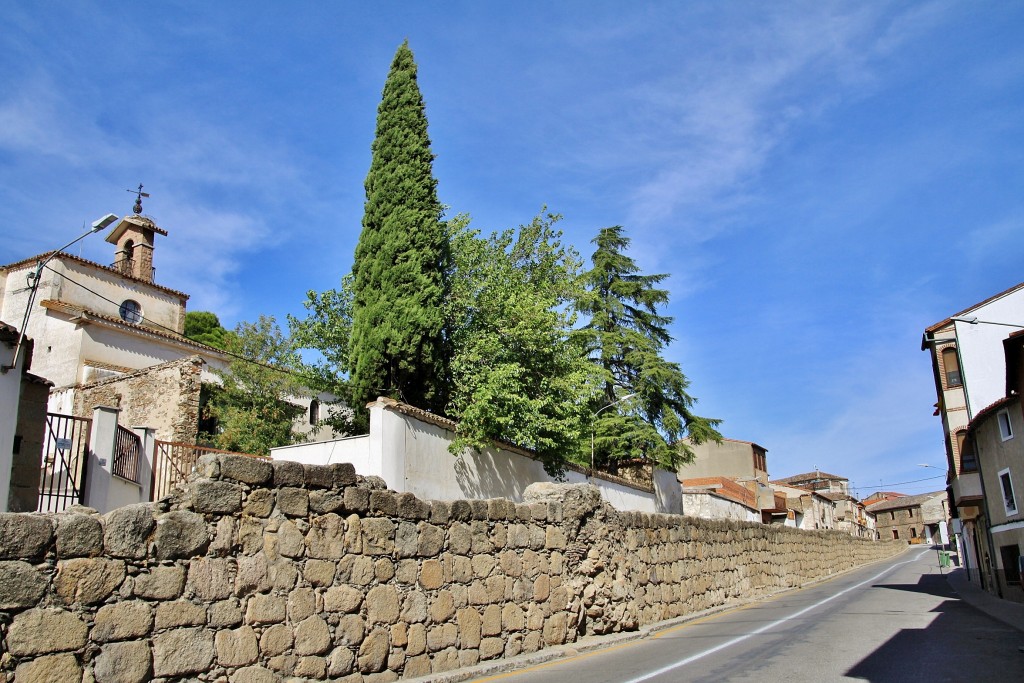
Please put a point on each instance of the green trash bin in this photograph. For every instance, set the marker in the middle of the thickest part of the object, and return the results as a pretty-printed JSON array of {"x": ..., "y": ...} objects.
[{"x": 944, "y": 559}]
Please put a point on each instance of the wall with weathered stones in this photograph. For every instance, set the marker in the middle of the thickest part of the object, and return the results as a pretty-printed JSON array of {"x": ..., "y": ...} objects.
[
  {"x": 257, "y": 571},
  {"x": 163, "y": 397}
]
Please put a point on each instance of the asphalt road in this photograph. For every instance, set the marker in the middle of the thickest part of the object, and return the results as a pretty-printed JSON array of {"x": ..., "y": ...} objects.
[{"x": 894, "y": 621}]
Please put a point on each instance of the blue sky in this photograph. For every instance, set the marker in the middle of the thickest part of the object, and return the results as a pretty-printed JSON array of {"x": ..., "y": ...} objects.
[{"x": 821, "y": 180}]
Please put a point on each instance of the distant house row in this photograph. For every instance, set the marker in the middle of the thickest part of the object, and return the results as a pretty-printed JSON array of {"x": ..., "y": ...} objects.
[{"x": 729, "y": 480}]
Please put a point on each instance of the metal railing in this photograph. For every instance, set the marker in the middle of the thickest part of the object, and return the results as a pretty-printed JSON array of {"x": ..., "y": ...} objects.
[
  {"x": 173, "y": 462},
  {"x": 127, "y": 455},
  {"x": 65, "y": 453}
]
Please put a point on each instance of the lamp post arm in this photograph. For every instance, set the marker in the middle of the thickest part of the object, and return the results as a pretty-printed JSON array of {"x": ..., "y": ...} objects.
[{"x": 975, "y": 321}]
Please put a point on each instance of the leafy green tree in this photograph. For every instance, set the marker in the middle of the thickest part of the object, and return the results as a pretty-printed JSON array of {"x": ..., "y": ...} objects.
[
  {"x": 628, "y": 336},
  {"x": 205, "y": 328},
  {"x": 251, "y": 409},
  {"x": 326, "y": 330},
  {"x": 398, "y": 345},
  {"x": 520, "y": 374}
]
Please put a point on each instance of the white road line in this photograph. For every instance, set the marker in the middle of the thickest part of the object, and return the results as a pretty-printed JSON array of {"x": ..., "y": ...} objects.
[{"x": 766, "y": 627}]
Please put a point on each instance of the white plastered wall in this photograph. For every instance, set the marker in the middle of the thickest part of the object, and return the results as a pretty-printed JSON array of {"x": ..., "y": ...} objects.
[{"x": 412, "y": 455}]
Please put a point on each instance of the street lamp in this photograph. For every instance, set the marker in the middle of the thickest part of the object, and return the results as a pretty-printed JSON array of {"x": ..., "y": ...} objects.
[
  {"x": 593, "y": 427},
  {"x": 34, "y": 278},
  {"x": 973, "y": 320}
]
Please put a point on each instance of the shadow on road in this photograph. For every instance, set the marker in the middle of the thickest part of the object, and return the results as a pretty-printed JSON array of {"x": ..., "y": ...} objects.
[
  {"x": 930, "y": 584},
  {"x": 960, "y": 644}
]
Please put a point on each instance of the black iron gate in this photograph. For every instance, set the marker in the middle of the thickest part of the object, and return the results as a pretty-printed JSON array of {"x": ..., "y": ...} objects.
[{"x": 65, "y": 453}]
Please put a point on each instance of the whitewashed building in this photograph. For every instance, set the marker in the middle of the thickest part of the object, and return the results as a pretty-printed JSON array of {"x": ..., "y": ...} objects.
[{"x": 969, "y": 372}]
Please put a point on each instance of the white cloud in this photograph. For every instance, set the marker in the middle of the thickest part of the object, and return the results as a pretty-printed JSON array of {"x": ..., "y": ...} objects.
[{"x": 216, "y": 185}]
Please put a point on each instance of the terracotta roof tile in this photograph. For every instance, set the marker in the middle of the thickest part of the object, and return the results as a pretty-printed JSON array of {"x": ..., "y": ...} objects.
[
  {"x": 78, "y": 259},
  {"x": 903, "y": 502},
  {"x": 810, "y": 476},
  {"x": 74, "y": 310}
]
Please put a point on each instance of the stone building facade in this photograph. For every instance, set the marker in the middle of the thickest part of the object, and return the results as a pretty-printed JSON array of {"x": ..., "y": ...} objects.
[
  {"x": 163, "y": 397},
  {"x": 910, "y": 519},
  {"x": 260, "y": 570}
]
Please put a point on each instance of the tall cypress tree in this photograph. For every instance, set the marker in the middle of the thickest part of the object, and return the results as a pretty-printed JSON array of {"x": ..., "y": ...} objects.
[
  {"x": 628, "y": 336},
  {"x": 398, "y": 346}
]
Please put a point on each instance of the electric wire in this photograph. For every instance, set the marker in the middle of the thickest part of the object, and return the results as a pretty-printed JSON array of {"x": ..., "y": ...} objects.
[{"x": 158, "y": 326}]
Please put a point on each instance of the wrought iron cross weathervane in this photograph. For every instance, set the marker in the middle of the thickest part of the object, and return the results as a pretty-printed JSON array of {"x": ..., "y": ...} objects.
[{"x": 139, "y": 194}]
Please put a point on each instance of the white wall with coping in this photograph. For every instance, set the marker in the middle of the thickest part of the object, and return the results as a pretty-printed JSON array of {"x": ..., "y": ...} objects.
[
  {"x": 103, "y": 490},
  {"x": 411, "y": 455},
  {"x": 351, "y": 449}
]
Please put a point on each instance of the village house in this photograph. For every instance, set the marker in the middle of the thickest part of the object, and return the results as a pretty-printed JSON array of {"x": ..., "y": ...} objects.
[
  {"x": 819, "y": 481},
  {"x": 729, "y": 480},
  {"x": 718, "y": 498},
  {"x": 961, "y": 349},
  {"x": 879, "y": 496},
  {"x": 994, "y": 439},
  {"x": 810, "y": 509},
  {"x": 914, "y": 519},
  {"x": 851, "y": 515}
]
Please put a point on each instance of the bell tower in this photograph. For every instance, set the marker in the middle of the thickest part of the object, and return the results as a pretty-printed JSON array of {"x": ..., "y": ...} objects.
[{"x": 134, "y": 236}]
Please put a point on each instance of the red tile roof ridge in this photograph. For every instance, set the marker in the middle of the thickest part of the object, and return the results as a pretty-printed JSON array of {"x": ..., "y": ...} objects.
[
  {"x": 87, "y": 262},
  {"x": 75, "y": 309},
  {"x": 816, "y": 474},
  {"x": 987, "y": 411}
]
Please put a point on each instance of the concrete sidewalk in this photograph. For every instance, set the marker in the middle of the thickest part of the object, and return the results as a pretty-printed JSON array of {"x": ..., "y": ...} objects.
[{"x": 1010, "y": 613}]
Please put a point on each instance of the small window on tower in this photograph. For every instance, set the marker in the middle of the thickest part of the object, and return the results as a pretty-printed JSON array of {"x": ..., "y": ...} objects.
[{"x": 131, "y": 311}]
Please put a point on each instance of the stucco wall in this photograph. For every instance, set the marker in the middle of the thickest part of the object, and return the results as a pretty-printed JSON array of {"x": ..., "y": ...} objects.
[
  {"x": 729, "y": 458},
  {"x": 258, "y": 570},
  {"x": 158, "y": 306},
  {"x": 995, "y": 456},
  {"x": 707, "y": 505},
  {"x": 981, "y": 349}
]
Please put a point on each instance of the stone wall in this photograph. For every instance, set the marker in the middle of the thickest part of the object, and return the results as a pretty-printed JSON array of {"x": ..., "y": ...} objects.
[
  {"x": 257, "y": 571},
  {"x": 163, "y": 397}
]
